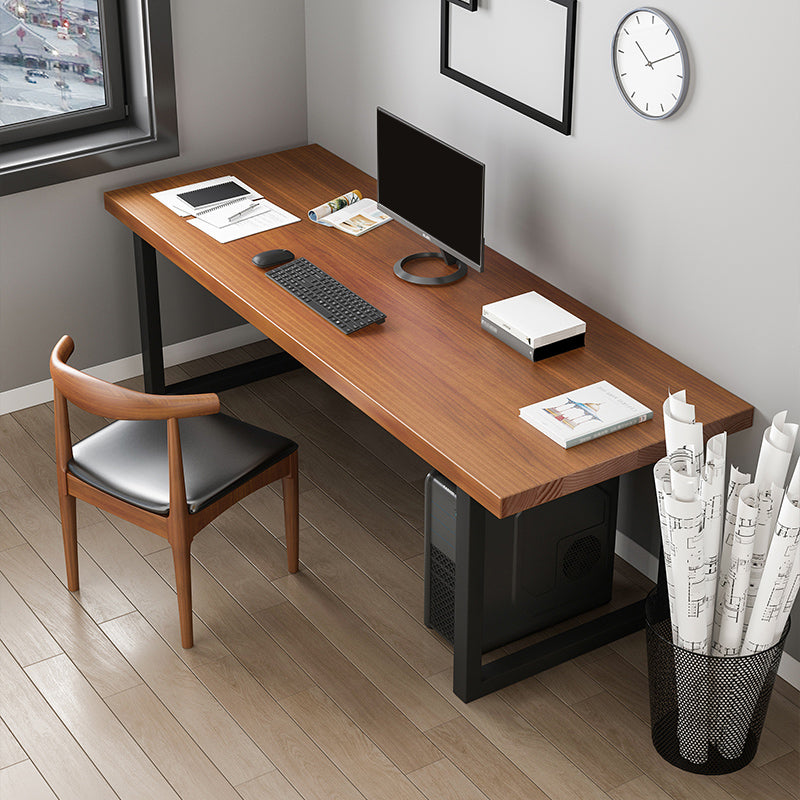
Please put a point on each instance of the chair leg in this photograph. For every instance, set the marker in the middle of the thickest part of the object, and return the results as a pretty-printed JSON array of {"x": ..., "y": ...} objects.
[
  {"x": 291, "y": 514},
  {"x": 181, "y": 556},
  {"x": 69, "y": 530}
]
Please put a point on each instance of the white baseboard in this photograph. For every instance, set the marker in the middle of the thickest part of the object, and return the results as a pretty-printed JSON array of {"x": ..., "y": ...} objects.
[
  {"x": 646, "y": 563},
  {"x": 124, "y": 368}
]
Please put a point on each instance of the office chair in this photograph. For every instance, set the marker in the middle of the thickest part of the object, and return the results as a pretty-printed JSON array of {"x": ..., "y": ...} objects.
[{"x": 169, "y": 463}]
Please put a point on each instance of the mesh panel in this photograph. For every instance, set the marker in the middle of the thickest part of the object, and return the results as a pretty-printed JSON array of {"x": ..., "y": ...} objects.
[
  {"x": 706, "y": 712},
  {"x": 443, "y": 594},
  {"x": 581, "y": 556}
]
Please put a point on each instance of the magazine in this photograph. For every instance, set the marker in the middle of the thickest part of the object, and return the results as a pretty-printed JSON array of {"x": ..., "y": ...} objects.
[
  {"x": 584, "y": 414},
  {"x": 350, "y": 213}
]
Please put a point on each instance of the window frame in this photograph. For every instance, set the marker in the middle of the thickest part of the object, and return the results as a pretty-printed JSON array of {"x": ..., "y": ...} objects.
[{"x": 148, "y": 132}]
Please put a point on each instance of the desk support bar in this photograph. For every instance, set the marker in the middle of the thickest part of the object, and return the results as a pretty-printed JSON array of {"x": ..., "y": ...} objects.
[
  {"x": 471, "y": 678},
  {"x": 149, "y": 315},
  {"x": 152, "y": 345}
]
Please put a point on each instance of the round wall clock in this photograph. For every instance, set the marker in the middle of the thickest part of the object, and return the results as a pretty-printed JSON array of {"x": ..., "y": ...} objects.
[{"x": 651, "y": 63}]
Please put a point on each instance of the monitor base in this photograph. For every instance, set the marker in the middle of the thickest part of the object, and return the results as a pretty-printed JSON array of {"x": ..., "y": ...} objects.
[{"x": 436, "y": 280}]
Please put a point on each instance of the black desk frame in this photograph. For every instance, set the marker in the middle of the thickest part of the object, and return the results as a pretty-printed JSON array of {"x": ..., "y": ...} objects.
[
  {"x": 152, "y": 342},
  {"x": 471, "y": 678}
]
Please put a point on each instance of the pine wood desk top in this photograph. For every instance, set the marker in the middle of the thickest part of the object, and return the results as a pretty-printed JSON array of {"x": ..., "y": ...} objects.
[{"x": 429, "y": 375}]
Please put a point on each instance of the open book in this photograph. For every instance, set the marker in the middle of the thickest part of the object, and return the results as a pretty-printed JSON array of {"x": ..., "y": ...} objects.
[{"x": 349, "y": 213}]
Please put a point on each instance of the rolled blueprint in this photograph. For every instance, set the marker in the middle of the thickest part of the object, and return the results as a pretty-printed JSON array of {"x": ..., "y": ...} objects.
[
  {"x": 683, "y": 537},
  {"x": 779, "y": 575},
  {"x": 732, "y": 592},
  {"x": 664, "y": 488},
  {"x": 712, "y": 496},
  {"x": 777, "y": 444},
  {"x": 737, "y": 481},
  {"x": 680, "y": 429}
]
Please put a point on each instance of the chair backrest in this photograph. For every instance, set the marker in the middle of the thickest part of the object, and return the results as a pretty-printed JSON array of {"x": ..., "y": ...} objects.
[{"x": 116, "y": 402}]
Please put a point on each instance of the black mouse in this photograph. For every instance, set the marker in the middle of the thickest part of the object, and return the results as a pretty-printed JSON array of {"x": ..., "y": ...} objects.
[{"x": 271, "y": 258}]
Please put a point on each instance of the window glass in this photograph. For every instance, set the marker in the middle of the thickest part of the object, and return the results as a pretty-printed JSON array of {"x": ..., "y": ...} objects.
[{"x": 60, "y": 66}]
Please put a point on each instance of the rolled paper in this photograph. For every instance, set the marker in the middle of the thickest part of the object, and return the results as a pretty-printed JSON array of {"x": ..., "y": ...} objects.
[{"x": 680, "y": 429}]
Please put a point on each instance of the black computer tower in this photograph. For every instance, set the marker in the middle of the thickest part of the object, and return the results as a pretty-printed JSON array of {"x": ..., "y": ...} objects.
[{"x": 542, "y": 566}]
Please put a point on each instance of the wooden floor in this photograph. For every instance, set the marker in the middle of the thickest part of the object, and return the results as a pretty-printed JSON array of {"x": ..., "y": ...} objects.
[{"x": 324, "y": 684}]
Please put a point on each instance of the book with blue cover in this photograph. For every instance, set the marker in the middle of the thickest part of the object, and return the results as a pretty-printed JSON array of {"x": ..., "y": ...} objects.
[{"x": 584, "y": 414}]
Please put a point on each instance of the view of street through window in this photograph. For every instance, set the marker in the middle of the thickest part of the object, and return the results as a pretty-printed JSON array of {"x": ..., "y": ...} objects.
[{"x": 50, "y": 59}]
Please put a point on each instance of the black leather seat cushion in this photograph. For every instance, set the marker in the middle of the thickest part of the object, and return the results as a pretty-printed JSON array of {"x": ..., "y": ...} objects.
[{"x": 128, "y": 459}]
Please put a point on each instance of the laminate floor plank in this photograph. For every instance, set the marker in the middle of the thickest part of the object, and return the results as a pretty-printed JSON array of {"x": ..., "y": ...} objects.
[
  {"x": 9, "y": 477},
  {"x": 620, "y": 678},
  {"x": 10, "y": 750},
  {"x": 23, "y": 780},
  {"x": 218, "y": 734},
  {"x": 74, "y": 630},
  {"x": 46, "y": 739},
  {"x": 148, "y": 592},
  {"x": 561, "y": 726},
  {"x": 360, "y": 502},
  {"x": 112, "y": 749},
  {"x": 272, "y": 786},
  {"x": 424, "y": 651},
  {"x": 785, "y": 771},
  {"x": 293, "y": 752},
  {"x": 442, "y": 780},
  {"x": 396, "y": 493},
  {"x": 248, "y": 526},
  {"x": 238, "y": 631},
  {"x": 782, "y": 719},
  {"x": 641, "y": 788},
  {"x": 752, "y": 781},
  {"x": 98, "y": 594},
  {"x": 370, "y": 771},
  {"x": 377, "y": 717},
  {"x": 9, "y": 535},
  {"x": 405, "y": 687},
  {"x": 569, "y": 682},
  {"x": 534, "y": 755},
  {"x": 631, "y": 736},
  {"x": 394, "y": 575},
  {"x": 25, "y": 637},
  {"x": 37, "y": 467},
  {"x": 167, "y": 744},
  {"x": 482, "y": 763}
]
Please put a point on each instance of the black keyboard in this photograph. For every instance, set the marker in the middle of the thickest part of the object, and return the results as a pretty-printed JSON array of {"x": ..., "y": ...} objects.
[{"x": 318, "y": 290}]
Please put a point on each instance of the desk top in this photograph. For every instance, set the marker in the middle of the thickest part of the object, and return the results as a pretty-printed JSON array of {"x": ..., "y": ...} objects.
[{"x": 429, "y": 375}]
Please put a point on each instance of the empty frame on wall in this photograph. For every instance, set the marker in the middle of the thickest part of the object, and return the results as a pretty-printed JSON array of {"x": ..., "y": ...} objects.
[{"x": 518, "y": 52}]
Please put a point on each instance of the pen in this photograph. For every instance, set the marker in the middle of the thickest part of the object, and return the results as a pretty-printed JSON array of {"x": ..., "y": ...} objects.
[{"x": 245, "y": 212}]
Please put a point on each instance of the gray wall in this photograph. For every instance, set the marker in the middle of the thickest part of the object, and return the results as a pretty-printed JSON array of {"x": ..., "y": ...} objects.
[
  {"x": 67, "y": 266},
  {"x": 685, "y": 231}
]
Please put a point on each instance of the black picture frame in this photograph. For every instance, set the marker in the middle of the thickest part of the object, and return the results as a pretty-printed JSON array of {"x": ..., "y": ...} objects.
[{"x": 562, "y": 125}]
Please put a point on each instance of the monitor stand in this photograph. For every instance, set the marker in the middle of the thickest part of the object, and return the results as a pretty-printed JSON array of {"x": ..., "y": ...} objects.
[{"x": 436, "y": 280}]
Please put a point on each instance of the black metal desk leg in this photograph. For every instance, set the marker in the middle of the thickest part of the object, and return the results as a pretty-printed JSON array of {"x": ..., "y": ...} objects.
[
  {"x": 468, "y": 627},
  {"x": 149, "y": 316}
]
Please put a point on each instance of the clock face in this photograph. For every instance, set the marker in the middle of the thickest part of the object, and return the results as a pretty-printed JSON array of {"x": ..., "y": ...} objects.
[{"x": 650, "y": 63}]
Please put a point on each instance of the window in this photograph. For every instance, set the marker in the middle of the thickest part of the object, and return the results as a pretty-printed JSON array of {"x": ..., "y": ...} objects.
[{"x": 78, "y": 89}]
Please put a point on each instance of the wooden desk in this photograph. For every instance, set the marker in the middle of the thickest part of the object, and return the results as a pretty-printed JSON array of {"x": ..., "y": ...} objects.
[{"x": 430, "y": 375}]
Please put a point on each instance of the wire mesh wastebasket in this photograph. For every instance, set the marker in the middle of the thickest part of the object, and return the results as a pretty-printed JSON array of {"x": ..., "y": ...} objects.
[{"x": 706, "y": 712}]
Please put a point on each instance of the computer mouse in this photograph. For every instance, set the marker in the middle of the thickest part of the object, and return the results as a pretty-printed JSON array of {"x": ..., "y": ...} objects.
[{"x": 271, "y": 258}]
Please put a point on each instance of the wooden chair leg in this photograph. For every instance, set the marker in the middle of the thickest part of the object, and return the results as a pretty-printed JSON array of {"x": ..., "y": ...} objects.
[
  {"x": 291, "y": 514},
  {"x": 181, "y": 557},
  {"x": 69, "y": 530}
]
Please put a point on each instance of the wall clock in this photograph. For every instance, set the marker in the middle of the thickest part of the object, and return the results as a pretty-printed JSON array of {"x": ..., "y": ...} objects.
[{"x": 651, "y": 63}]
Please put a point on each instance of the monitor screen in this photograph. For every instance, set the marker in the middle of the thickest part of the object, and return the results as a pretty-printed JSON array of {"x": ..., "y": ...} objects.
[{"x": 432, "y": 188}]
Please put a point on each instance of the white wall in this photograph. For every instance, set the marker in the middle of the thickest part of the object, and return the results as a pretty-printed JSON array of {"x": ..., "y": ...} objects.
[
  {"x": 685, "y": 231},
  {"x": 67, "y": 266}
]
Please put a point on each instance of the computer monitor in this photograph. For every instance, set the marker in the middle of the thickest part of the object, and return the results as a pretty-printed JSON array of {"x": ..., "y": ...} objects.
[{"x": 436, "y": 191}]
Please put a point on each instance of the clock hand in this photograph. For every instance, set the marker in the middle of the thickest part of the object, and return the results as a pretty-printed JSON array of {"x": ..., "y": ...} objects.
[
  {"x": 665, "y": 57},
  {"x": 649, "y": 63}
]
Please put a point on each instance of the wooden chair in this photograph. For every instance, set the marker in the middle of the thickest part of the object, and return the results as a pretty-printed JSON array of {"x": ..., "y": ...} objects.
[{"x": 170, "y": 464}]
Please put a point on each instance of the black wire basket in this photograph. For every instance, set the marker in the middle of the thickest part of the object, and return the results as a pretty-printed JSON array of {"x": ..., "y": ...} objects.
[{"x": 706, "y": 712}]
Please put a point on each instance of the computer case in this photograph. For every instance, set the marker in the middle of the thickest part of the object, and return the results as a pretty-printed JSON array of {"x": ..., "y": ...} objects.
[{"x": 542, "y": 566}]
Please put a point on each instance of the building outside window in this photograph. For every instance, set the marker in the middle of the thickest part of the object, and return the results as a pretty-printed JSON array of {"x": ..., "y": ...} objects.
[{"x": 78, "y": 93}]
